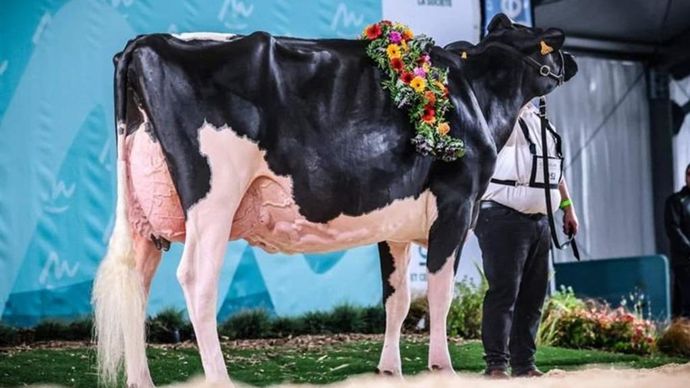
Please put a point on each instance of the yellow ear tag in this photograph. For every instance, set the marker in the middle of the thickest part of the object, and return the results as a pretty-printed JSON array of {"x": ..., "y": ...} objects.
[
  {"x": 463, "y": 55},
  {"x": 545, "y": 48}
]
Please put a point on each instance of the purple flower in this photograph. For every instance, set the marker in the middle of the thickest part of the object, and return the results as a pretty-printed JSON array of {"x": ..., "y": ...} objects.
[
  {"x": 418, "y": 71},
  {"x": 395, "y": 37}
]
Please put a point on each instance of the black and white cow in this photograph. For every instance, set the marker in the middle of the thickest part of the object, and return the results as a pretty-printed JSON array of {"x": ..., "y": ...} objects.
[{"x": 293, "y": 145}]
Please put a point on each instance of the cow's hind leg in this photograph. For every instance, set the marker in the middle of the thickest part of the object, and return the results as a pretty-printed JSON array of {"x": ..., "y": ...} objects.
[
  {"x": 146, "y": 258},
  {"x": 395, "y": 258},
  {"x": 208, "y": 227}
]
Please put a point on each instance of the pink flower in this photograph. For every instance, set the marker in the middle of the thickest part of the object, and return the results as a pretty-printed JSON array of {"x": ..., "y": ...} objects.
[
  {"x": 419, "y": 72},
  {"x": 395, "y": 36}
]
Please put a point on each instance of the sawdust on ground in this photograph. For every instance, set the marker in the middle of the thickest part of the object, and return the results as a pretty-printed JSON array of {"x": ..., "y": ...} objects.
[{"x": 667, "y": 376}]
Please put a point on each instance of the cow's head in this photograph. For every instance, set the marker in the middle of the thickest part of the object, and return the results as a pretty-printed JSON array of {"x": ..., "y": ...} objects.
[{"x": 535, "y": 50}]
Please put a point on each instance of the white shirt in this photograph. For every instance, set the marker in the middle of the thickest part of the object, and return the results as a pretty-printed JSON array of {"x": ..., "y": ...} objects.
[{"x": 515, "y": 163}]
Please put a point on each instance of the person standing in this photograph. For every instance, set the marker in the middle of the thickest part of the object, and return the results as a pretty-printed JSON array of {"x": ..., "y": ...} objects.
[
  {"x": 514, "y": 237},
  {"x": 677, "y": 221}
]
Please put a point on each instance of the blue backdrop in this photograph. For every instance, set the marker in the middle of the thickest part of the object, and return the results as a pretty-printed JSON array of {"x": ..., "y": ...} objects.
[{"x": 57, "y": 156}]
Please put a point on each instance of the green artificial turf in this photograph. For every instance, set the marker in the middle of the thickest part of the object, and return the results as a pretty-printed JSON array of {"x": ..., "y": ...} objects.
[{"x": 75, "y": 367}]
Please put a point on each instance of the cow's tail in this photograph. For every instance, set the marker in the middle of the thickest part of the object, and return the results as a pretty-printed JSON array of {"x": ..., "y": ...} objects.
[{"x": 118, "y": 292}]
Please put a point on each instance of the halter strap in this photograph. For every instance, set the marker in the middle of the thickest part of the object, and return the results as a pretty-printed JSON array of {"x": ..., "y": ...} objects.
[{"x": 544, "y": 70}]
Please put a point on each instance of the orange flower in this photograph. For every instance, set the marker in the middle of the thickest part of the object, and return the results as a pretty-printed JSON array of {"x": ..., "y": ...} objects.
[
  {"x": 443, "y": 129},
  {"x": 430, "y": 97},
  {"x": 407, "y": 34}
]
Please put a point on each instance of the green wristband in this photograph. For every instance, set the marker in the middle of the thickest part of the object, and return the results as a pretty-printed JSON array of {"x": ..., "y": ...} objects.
[{"x": 565, "y": 203}]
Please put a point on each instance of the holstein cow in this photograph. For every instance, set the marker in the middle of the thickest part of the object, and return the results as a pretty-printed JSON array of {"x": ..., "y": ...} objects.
[{"x": 294, "y": 146}]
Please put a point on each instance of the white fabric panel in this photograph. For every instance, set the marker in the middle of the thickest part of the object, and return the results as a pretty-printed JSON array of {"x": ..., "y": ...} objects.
[
  {"x": 607, "y": 166},
  {"x": 444, "y": 20},
  {"x": 680, "y": 93}
]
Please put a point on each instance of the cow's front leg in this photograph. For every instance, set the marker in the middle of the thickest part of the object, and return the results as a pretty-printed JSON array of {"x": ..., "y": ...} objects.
[
  {"x": 445, "y": 244},
  {"x": 440, "y": 295},
  {"x": 395, "y": 258}
]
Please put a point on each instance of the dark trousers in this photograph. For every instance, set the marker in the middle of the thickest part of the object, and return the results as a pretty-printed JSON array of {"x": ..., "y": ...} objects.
[
  {"x": 515, "y": 252},
  {"x": 681, "y": 290}
]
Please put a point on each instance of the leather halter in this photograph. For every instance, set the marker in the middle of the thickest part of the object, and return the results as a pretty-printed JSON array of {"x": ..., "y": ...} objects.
[{"x": 543, "y": 70}]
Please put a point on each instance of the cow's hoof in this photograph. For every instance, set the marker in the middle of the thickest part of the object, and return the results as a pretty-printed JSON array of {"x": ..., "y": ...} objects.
[
  {"x": 446, "y": 370},
  {"x": 138, "y": 385},
  {"x": 384, "y": 372},
  {"x": 387, "y": 373}
]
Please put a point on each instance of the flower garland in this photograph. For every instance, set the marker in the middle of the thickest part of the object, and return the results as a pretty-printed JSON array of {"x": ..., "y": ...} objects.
[{"x": 414, "y": 83}]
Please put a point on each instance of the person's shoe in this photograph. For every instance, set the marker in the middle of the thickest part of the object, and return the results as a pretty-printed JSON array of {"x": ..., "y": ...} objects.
[
  {"x": 496, "y": 374},
  {"x": 530, "y": 373}
]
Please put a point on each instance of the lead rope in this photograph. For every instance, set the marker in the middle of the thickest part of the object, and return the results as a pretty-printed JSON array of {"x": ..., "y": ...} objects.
[{"x": 547, "y": 184}]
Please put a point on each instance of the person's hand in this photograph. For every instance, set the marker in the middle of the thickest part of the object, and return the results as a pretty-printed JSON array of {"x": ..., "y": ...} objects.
[{"x": 570, "y": 222}]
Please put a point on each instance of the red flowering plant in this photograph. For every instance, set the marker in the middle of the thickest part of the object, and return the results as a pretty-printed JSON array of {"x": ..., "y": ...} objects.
[
  {"x": 416, "y": 85},
  {"x": 573, "y": 323}
]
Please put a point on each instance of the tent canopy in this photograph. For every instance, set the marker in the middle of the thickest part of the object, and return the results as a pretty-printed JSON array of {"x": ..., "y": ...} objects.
[{"x": 654, "y": 31}]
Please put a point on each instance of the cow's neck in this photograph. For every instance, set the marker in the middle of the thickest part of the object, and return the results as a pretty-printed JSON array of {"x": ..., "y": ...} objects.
[{"x": 498, "y": 85}]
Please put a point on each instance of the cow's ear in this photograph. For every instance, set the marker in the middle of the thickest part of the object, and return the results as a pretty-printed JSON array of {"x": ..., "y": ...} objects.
[
  {"x": 553, "y": 37},
  {"x": 499, "y": 22},
  {"x": 460, "y": 45},
  {"x": 545, "y": 43},
  {"x": 462, "y": 48}
]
